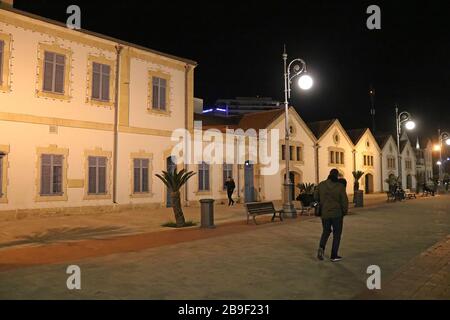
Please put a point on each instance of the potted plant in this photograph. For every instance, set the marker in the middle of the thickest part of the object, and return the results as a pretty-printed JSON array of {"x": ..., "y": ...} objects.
[
  {"x": 306, "y": 196},
  {"x": 357, "y": 175},
  {"x": 174, "y": 180},
  {"x": 357, "y": 194}
]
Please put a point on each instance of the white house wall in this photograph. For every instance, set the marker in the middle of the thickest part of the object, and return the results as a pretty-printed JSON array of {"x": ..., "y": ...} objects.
[
  {"x": 273, "y": 183},
  {"x": 371, "y": 149},
  {"x": 325, "y": 142},
  {"x": 389, "y": 151},
  {"x": 409, "y": 154}
]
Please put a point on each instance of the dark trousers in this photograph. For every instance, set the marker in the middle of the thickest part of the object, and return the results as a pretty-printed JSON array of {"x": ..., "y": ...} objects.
[
  {"x": 230, "y": 194},
  {"x": 334, "y": 225}
]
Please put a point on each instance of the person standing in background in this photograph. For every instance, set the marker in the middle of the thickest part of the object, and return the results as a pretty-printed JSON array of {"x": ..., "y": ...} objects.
[{"x": 230, "y": 186}]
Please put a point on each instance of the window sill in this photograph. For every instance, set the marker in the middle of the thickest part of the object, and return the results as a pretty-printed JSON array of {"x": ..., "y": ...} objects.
[
  {"x": 294, "y": 162},
  {"x": 336, "y": 164},
  {"x": 97, "y": 197},
  {"x": 40, "y": 198},
  {"x": 203, "y": 193},
  {"x": 53, "y": 95},
  {"x": 159, "y": 112},
  {"x": 141, "y": 195},
  {"x": 100, "y": 103}
]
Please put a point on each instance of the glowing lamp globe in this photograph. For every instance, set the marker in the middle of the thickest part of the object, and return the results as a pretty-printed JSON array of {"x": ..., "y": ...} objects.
[
  {"x": 447, "y": 141},
  {"x": 305, "y": 82},
  {"x": 410, "y": 125}
]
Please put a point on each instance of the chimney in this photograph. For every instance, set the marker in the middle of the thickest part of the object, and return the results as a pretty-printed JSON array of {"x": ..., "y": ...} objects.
[{"x": 7, "y": 3}]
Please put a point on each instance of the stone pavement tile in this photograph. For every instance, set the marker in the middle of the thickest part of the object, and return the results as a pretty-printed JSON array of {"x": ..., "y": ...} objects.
[{"x": 426, "y": 276}]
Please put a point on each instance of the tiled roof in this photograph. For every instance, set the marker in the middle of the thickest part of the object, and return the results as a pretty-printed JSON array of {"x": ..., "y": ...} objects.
[
  {"x": 356, "y": 134},
  {"x": 318, "y": 128},
  {"x": 382, "y": 139},
  {"x": 257, "y": 120},
  {"x": 403, "y": 145}
]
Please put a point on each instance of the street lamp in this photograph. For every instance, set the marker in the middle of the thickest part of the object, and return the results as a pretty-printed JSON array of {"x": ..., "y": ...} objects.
[
  {"x": 402, "y": 118},
  {"x": 305, "y": 82},
  {"x": 443, "y": 137}
]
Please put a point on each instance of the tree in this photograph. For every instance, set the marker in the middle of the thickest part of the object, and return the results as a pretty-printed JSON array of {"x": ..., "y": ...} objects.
[
  {"x": 393, "y": 182},
  {"x": 357, "y": 175},
  {"x": 174, "y": 181}
]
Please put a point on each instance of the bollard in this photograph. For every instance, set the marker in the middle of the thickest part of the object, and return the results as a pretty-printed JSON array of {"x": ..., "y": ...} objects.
[
  {"x": 207, "y": 213},
  {"x": 359, "y": 198}
]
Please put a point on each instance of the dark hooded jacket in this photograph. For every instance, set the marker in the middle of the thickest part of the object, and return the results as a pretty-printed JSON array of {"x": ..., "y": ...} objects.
[{"x": 332, "y": 198}]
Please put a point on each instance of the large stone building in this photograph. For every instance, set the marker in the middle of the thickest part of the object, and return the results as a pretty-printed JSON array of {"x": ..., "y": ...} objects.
[{"x": 63, "y": 143}]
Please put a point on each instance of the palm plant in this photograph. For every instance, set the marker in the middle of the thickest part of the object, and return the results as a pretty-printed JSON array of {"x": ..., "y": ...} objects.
[
  {"x": 307, "y": 188},
  {"x": 306, "y": 193},
  {"x": 174, "y": 180},
  {"x": 357, "y": 175}
]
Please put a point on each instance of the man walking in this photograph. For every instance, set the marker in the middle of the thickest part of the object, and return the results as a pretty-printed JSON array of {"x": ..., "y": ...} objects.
[
  {"x": 333, "y": 205},
  {"x": 230, "y": 186}
]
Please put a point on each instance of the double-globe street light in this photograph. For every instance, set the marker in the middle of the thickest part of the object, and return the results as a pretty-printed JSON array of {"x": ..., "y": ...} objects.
[
  {"x": 305, "y": 82},
  {"x": 400, "y": 119},
  {"x": 443, "y": 137}
]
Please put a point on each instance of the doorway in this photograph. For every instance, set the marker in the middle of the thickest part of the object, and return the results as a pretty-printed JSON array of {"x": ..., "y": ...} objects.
[
  {"x": 295, "y": 179},
  {"x": 409, "y": 182},
  {"x": 368, "y": 183}
]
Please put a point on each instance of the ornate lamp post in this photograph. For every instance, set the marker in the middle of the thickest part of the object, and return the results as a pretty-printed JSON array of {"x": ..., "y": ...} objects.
[
  {"x": 400, "y": 119},
  {"x": 296, "y": 68}
]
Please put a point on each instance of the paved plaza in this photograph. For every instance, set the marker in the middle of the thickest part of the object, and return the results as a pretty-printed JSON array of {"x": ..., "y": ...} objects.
[{"x": 407, "y": 240}]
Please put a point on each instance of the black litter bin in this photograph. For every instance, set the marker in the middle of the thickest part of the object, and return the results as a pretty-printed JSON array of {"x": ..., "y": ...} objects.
[
  {"x": 359, "y": 198},
  {"x": 207, "y": 213}
]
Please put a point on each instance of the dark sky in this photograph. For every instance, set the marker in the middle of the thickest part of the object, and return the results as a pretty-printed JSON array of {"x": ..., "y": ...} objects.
[{"x": 238, "y": 46}]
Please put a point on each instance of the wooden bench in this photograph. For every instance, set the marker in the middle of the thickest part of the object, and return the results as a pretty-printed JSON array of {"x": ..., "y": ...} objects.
[
  {"x": 259, "y": 208},
  {"x": 390, "y": 196},
  {"x": 409, "y": 194},
  {"x": 427, "y": 193}
]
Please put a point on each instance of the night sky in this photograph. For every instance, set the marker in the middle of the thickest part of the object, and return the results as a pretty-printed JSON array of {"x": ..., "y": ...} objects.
[{"x": 238, "y": 47}]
